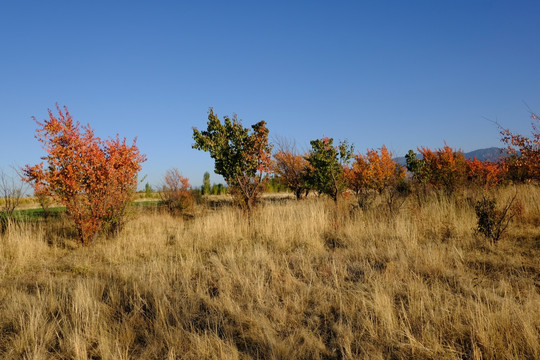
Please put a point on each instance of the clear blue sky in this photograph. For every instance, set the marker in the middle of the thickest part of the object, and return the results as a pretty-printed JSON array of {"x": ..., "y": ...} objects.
[{"x": 400, "y": 73}]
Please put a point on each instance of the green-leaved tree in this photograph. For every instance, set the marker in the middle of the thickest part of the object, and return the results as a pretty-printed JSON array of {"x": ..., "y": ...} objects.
[
  {"x": 241, "y": 156},
  {"x": 205, "y": 190},
  {"x": 326, "y": 162}
]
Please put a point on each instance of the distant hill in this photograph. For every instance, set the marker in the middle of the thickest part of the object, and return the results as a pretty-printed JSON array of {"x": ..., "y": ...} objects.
[{"x": 491, "y": 153}]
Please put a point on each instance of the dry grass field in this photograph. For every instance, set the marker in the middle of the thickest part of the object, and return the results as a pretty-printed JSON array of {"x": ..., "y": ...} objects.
[{"x": 289, "y": 284}]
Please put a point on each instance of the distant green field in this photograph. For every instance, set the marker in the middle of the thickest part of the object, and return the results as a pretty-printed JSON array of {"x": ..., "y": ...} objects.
[
  {"x": 38, "y": 213},
  {"x": 35, "y": 214}
]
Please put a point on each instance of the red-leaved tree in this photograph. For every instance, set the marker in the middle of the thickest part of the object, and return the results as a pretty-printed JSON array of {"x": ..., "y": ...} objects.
[
  {"x": 485, "y": 174},
  {"x": 93, "y": 178},
  {"x": 444, "y": 168},
  {"x": 524, "y": 151},
  {"x": 376, "y": 172},
  {"x": 291, "y": 169}
]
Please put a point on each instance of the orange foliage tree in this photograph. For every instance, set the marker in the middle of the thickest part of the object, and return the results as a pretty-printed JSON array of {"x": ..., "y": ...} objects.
[
  {"x": 375, "y": 172},
  {"x": 93, "y": 178},
  {"x": 485, "y": 174},
  {"x": 290, "y": 168},
  {"x": 444, "y": 168},
  {"x": 448, "y": 170},
  {"x": 525, "y": 151}
]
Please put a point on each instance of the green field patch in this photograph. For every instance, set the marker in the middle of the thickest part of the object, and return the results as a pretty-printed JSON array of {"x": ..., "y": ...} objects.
[
  {"x": 38, "y": 213},
  {"x": 35, "y": 214}
]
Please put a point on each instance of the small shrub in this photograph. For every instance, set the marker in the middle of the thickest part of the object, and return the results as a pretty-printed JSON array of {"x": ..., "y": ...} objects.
[
  {"x": 218, "y": 189},
  {"x": 397, "y": 194},
  {"x": 11, "y": 194},
  {"x": 44, "y": 199},
  {"x": 148, "y": 191},
  {"x": 177, "y": 194},
  {"x": 493, "y": 222}
]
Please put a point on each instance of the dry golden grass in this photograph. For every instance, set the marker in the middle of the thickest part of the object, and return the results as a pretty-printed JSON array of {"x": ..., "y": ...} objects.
[{"x": 288, "y": 285}]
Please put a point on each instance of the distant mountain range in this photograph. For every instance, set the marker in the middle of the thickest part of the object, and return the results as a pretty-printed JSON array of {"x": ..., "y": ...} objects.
[{"x": 491, "y": 153}]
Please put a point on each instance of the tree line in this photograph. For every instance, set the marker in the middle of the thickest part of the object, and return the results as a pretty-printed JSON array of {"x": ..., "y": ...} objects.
[{"x": 95, "y": 179}]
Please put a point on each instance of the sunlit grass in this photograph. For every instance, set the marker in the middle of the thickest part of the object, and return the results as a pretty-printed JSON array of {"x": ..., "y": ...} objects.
[{"x": 288, "y": 283}]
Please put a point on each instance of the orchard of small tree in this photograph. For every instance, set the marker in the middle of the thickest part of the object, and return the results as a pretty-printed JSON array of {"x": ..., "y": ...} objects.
[{"x": 95, "y": 179}]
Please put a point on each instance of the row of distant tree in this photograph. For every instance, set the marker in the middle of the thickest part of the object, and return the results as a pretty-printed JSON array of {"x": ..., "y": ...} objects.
[
  {"x": 95, "y": 179},
  {"x": 273, "y": 185},
  {"x": 244, "y": 159},
  {"x": 206, "y": 189}
]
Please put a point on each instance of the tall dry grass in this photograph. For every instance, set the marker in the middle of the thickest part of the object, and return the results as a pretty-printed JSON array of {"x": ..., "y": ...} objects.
[{"x": 288, "y": 284}]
